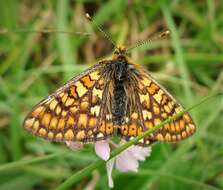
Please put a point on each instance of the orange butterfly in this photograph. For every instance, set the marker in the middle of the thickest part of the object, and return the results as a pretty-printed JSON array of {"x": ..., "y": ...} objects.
[{"x": 113, "y": 96}]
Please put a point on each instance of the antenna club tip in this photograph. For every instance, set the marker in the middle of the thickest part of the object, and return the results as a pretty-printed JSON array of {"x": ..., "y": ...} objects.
[
  {"x": 88, "y": 16},
  {"x": 165, "y": 33}
]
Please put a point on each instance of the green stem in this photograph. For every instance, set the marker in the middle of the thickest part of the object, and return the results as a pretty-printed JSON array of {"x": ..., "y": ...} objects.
[
  {"x": 87, "y": 170},
  {"x": 20, "y": 163}
]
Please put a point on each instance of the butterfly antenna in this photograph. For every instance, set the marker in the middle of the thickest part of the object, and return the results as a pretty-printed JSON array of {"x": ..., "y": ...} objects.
[
  {"x": 101, "y": 30},
  {"x": 141, "y": 43}
]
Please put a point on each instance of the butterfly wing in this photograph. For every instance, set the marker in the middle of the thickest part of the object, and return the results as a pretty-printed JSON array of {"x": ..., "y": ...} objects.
[
  {"x": 151, "y": 105},
  {"x": 78, "y": 111}
]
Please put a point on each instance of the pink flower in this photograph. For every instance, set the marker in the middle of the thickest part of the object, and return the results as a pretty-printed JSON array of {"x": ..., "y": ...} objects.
[
  {"x": 125, "y": 161},
  {"x": 102, "y": 149},
  {"x": 74, "y": 145},
  {"x": 128, "y": 160}
]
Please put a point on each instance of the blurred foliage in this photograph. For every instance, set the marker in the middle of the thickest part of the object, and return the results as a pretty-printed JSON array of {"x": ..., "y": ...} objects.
[{"x": 189, "y": 64}]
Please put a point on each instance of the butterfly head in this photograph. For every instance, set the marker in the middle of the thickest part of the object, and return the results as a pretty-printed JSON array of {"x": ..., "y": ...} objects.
[
  {"x": 120, "y": 50},
  {"x": 120, "y": 53}
]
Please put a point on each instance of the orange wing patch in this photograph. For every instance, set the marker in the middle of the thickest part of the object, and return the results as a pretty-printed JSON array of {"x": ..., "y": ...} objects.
[
  {"x": 75, "y": 112},
  {"x": 131, "y": 128}
]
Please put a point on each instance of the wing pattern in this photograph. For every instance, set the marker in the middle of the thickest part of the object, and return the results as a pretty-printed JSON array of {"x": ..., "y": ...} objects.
[
  {"x": 81, "y": 109},
  {"x": 152, "y": 105},
  {"x": 78, "y": 111}
]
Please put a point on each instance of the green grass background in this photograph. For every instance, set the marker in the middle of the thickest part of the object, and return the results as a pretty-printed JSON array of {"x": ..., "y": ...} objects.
[{"x": 189, "y": 64}]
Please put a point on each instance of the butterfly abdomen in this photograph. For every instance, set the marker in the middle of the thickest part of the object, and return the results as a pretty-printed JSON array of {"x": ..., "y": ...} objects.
[{"x": 119, "y": 101}]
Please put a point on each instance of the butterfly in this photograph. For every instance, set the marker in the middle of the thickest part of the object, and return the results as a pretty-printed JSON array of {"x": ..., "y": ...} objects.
[{"x": 113, "y": 96}]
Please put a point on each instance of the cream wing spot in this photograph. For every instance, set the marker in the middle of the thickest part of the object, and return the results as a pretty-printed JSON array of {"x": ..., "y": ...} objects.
[
  {"x": 92, "y": 122},
  {"x": 157, "y": 121},
  {"x": 160, "y": 137},
  {"x": 156, "y": 110},
  {"x": 126, "y": 119},
  {"x": 37, "y": 111},
  {"x": 50, "y": 135},
  {"x": 81, "y": 90},
  {"x": 59, "y": 136},
  {"x": 29, "y": 123},
  {"x": 108, "y": 116},
  {"x": 186, "y": 118},
  {"x": 82, "y": 120},
  {"x": 100, "y": 135},
  {"x": 149, "y": 124},
  {"x": 184, "y": 134},
  {"x": 53, "y": 123},
  {"x": 70, "y": 121},
  {"x": 144, "y": 98},
  {"x": 42, "y": 132},
  {"x": 89, "y": 133},
  {"x": 61, "y": 123},
  {"x": 167, "y": 109},
  {"x": 58, "y": 109},
  {"x": 64, "y": 113},
  {"x": 134, "y": 115},
  {"x": 145, "y": 81},
  {"x": 36, "y": 126},
  {"x": 97, "y": 92},
  {"x": 80, "y": 135},
  {"x": 61, "y": 94},
  {"x": 84, "y": 105},
  {"x": 53, "y": 104},
  {"x": 95, "y": 75},
  {"x": 73, "y": 109},
  {"x": 158, "y": 96},
  {"x": 168, "y": 137},
  {"x": 174, "y": 137},
  {"x": 69, "y": 135},
  {"x": 64, "y": 98},
  {"x": 46, "y": 119},
  {"x": 95, "y": 110},
  {"x": 147, "y": 115},
  {"x": 69, "y": 102},
  {"x": 167, "y": 126}
]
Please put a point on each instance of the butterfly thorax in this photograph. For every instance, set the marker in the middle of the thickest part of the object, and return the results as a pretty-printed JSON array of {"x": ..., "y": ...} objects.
[{"x": 120, "y": 76}]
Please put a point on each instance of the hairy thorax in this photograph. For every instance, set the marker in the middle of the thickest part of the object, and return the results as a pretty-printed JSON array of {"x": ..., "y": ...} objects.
[{"x": 120, "y": 75}]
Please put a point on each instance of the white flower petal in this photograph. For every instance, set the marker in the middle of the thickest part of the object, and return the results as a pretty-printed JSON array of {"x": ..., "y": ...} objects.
[
  {"x": 109, "y": 167},
  {"x": 140, "y": 153},
  {"x": 125, "y": 162},
  {"x": 102, "y": 149},
  {"x": 74, "y": 145}
]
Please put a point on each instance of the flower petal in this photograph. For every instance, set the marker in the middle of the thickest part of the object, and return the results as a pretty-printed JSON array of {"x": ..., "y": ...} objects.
[
  {"x": 140, "y": 153},
  {"x": 125, "y": 162},
  {"x": 102, "y": 149},
  {"x": 109, "y": 167},
  {"x": 74, "y": 145}
]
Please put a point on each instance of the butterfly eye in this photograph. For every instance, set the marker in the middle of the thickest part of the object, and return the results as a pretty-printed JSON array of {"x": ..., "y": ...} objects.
[{"x": 116, "y": 52}]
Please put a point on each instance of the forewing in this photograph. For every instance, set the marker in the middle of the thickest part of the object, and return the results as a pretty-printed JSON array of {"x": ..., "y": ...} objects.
[
  {"x": 153, "y": 104},
  {"x": 78, "y": 111}
]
